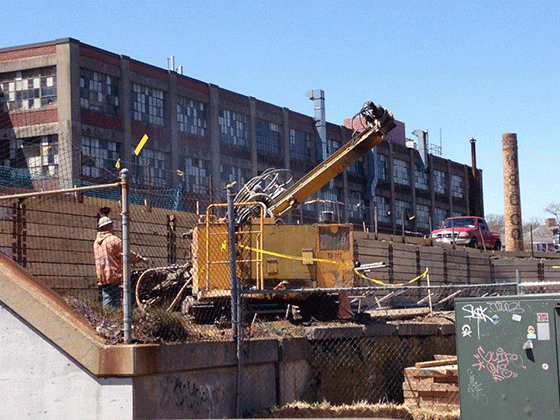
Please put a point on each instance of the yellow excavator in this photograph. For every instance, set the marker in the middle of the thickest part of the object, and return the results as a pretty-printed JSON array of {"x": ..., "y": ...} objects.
[{"x": 308, "y": 260}]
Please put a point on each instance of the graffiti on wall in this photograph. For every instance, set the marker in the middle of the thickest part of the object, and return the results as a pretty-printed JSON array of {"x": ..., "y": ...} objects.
[
  {"x": 499, "y": 363},
  {"x": 197, "y": 399}
]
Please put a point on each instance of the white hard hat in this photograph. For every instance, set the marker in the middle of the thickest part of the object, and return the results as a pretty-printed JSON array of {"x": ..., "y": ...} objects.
[{"x": 104, "y": 221}]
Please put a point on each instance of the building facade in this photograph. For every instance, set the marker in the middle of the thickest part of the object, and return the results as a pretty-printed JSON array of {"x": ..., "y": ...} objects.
[{"x": 73, "y": 114}]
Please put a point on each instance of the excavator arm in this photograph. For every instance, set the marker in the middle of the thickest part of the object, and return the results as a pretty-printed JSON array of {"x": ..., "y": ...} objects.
[
  {"x": 377, "y": 121},
  {"x": 281, "y": 198}
]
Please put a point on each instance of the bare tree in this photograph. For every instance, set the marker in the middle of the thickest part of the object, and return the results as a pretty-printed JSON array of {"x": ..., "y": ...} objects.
[
  {"x": 496, "y": 222},
  {"x": 554, "y": 209}
]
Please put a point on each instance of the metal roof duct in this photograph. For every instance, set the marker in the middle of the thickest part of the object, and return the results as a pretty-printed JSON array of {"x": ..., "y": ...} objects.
[{"x": 422, "y": 145}]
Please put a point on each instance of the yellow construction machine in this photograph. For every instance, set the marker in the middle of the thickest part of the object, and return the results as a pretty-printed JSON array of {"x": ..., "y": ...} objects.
[{"x": 302, "y": 262}]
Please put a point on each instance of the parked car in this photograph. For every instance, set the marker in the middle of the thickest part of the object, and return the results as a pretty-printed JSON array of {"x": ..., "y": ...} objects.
[{"x": 469, "y": 231}]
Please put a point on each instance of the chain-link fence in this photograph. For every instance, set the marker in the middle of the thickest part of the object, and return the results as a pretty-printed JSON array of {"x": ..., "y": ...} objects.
[{"x": 379, "y": 331}]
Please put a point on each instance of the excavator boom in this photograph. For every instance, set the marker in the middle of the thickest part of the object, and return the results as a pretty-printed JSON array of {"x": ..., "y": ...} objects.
[{"x": 377, "y": 121}]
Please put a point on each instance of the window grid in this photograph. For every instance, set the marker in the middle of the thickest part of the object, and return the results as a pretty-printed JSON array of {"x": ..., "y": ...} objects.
[
  {"x": 268, "y": 137},
  {"x": 196, "y": 173},
  {"x": 332, "y": 146},
  {"x": 383, "y": 208},
  {"x": 99, "y": 157},
  {"x": 234, "y": 173},
  {"x": 439, "y": 216},
  {"x": 421, "y": 179},
  {"x": 39, "y": 155},
  {"x": 456, "y": 186},
  {"x": 152, "y": 167},
  {"x": 381, "y": 166},
  {"x": 356, "y": 205},
  {"x": 402, "y": 209},
  {"x": 233, "y": 128},
  {"x": 439, "y": 182},
  {"x": 422, "y": 216},
  {"x": 28, "y": 89},
  {"x": 148, "y": 105},
  {"x": 331, "y": 200},
  {"x": 300, "y": 145},
  {"x": 99, "y": 92},
  {"x": 401, "y": 172},
  {"x": 191, "y": 116}
]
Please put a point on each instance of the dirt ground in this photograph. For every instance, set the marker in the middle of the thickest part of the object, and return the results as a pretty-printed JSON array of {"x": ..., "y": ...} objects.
[{"x": 172, "y": 327}]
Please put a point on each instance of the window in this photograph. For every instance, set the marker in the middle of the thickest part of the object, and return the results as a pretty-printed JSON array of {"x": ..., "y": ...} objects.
[
  {"x": 421, "y": 179},
  {"x": 99, "y": 92},
  {"x": 422, "y": 216},
  {"x": 401, "y": 172},
  {"x": 456, "y": 186},
  {"x": 268, "y": 137},
  {"x": 356, "y": 205},
  {"x": 233, "y": 128},
  {"x": 28, "y": 89},
  {"x": 440, "y": 215},
  {"x": 357, "y": 167},
  {"x": 234, "y": 173},
  {"x": 152, "y": 168},
  {"x": 383, "y": 208},
  {"x": 300, "y": 145},
  {"x": 38, "y": 155},
  {"x": 148, "y": 105},
  {"x": 99, "y": 157},
  {"x": 331, "y": 200},
  {"x": 403, "y": 209},
  {"x": 439, "y": 182},
  {"x": 381, "y": 166},
  {"x": 191, "y": 116},
  {"x": 332, "y": 146},
  {"x": 196, "y": 174}
]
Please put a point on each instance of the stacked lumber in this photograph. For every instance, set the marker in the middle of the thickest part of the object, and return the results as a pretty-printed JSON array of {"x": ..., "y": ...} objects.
[{"x": 432, "y": 385}]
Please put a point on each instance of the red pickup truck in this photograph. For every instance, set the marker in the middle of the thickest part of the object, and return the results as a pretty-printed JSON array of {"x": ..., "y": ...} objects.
[{"x": 469, "y": 231}]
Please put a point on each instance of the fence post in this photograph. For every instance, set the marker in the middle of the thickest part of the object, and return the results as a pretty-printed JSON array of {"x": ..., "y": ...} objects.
[
  {"x": 127, "y": 307},
  {"x": 235, "y": 299}
]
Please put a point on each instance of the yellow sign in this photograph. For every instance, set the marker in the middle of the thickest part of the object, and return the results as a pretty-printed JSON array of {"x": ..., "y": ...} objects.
[
  {"x": 141, "y": 145},
  {"x": 118, "y": 163}
]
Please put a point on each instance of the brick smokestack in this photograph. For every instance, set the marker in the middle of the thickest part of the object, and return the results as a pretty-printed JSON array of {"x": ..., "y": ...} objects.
[
  {"x": 512, "y": 200},
  {"x": 473, "y": 157}
]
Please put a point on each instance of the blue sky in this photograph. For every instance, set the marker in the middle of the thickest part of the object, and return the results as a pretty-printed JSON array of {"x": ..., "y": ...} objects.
[{"x": 459, "y": 69}]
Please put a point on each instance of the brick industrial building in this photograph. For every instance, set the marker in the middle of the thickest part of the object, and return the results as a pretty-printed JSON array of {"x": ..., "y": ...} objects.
[{"x": 69, "y": 111}]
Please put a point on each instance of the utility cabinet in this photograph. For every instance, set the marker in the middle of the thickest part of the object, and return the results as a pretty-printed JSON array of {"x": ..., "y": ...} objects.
[{"x": 507, "y": 349}]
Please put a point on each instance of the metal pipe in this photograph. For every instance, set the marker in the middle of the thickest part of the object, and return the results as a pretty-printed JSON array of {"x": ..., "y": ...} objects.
[
  {"x": 65, "y": 190},
  {"x": 235, "y": 299},
  {"x": 127, "y": 307}
]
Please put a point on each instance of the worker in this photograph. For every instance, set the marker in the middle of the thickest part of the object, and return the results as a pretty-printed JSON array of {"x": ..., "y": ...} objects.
[{"x": 107, "y": 250}]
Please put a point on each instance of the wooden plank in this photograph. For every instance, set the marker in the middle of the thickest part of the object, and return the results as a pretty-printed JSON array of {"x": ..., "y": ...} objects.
[
  {"x": 426, "y": 389},
  {"x": 433, "y": 363},
  {"x": 397, "y": 313}
]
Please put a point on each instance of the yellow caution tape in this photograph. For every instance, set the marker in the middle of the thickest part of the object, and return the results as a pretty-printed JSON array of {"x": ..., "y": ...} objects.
[
  {"x": 292, "y": 257},
  {"x": 415, "y": 279},
  {"x": 304, "y": 259}
]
